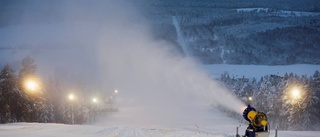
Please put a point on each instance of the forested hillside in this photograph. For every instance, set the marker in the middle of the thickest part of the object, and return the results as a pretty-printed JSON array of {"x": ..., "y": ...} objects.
[{"x": 270, "y": 32}]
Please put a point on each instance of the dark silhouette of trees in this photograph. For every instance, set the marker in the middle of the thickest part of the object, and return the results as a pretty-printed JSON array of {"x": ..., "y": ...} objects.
[
  {"x": 44, "y": 104},
  {"x": 273, "y": 95}
]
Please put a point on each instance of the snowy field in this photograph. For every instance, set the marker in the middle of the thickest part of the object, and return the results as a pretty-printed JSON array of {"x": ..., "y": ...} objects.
[{"x": 221, "y": 127}]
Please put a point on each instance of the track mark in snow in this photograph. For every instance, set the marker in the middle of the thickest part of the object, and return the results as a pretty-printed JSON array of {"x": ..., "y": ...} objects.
[
  {"x": 222, "y": 55},
  {"x": 180, "y": 39}
]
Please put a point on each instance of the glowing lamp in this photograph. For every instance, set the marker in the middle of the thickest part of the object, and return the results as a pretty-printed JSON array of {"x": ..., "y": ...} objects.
[
  {"x": 295, "y": 93},
  {"x": 31, "y": 85},
  {"x": 71, "y": 97},
  {"x": 94, "y": 100}
]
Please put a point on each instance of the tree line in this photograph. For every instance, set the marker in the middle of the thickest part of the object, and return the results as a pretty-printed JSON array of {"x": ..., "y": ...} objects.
[
  {"x": 42, "y": 102},
  {"x": 296, "y": 5},
  {"x": 290, "y": 45},
  {"x": 291, "y": 102}
]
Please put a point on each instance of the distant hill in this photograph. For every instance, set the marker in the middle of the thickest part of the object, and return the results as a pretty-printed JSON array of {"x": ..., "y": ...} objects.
[{"x": 269, "y": 32}]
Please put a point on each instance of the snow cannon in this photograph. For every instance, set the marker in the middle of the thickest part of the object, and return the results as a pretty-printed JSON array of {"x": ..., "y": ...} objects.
[
  {"x": 258, "y": 123},
  {"x": 256, "y": 118}
]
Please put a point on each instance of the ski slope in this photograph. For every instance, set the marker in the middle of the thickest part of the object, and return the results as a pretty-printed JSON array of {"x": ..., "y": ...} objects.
[
  {"x": 55, "y": 130},
  {"x": 139, "y": 120},
  {"x": 223, "y": 129},
  {"x": 180, "y": 39},
  {"x": 162, "y": 86}
]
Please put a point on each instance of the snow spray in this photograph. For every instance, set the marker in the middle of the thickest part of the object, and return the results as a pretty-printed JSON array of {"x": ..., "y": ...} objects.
[
  {"x": 112, "y": 43},
  {"x": 162, "y": 87}
]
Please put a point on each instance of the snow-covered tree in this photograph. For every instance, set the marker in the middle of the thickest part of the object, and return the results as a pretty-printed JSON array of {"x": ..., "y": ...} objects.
[
  {"x": 275, "y": 96},
  {"x": 46, "y": 114},
  {"x": 35, "y": 99},
  {"x": 266, "y": 95},
  {"x": 312, "y": 102},
  {"x": 11, "y": 99}
]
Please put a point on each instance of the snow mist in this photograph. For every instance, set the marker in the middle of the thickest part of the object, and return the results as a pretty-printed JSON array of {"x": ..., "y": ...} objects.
[
  {"x": 109, "y": 42},
  {"x": 155, "y": 86}
]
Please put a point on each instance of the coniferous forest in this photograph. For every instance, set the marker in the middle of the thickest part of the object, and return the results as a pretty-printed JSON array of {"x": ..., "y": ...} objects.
[
  {"x": 21, "y": 100},
  {"x": 291, "y": 102},
  {"x": 272, "y": 94}
]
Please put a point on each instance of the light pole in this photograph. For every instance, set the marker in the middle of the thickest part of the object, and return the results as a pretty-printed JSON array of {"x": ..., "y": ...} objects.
[
  {"x": 296, "y": 96},
  {"x": 115, "y": 100},
  {"x": 294, "y": 99},
  {"x": 71, "y": 98},
  {"x": 32, "y": 88},
  {"x": 95, "y": 103}
]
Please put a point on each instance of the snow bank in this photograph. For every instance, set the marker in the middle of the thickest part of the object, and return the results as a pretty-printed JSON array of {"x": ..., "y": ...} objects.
[
  {"x": 258, "y": 71},
  {"x": 281, "y": 13}
]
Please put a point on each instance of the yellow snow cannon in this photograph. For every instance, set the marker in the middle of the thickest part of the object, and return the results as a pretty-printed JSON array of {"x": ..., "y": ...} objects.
[{"x": 258, "y": 123}]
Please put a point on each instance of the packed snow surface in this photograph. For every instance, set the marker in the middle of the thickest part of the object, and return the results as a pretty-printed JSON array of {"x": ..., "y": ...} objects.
[{"x": 221, "y": 127}]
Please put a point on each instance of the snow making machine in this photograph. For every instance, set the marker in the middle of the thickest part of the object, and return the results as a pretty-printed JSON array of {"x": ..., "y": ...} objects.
[{"x": 258, "y": 123}]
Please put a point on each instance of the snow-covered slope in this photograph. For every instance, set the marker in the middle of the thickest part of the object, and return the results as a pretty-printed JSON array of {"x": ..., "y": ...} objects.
[
  {"x": 117, "y": 51},
  {"x": 58, "y": 130},
  {"x": 128, "y": 123},
  {"x": 281, "y": 13},
  {"x": 258, "y": 71},
  {"x": 221, "y": 129},
  {"x": 180, "y": 38}
]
